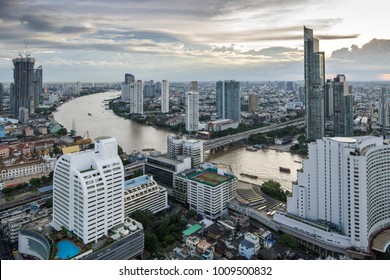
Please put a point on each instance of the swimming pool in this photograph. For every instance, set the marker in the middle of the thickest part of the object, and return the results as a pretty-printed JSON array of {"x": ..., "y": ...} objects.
[{"x": 66, "y": 249}]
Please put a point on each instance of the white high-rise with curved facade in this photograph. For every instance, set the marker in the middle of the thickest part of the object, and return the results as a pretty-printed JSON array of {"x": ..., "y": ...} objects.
[
  {"x": 342, "y": 195},
  {"x": 88, "y": 191}
]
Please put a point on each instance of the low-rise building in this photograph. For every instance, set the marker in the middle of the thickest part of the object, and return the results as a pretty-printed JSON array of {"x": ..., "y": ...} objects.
[
  {"x": 247, "y": 249},
  {"x": 33, "y": 167},
  {"x": 143, "y": 193}
]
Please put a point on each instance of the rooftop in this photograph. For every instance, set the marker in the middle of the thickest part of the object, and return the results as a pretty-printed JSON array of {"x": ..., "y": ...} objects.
[
  {"x": 192, "y": 230},
  {"x": 247, "y": 243},
  {"x": 210, "y": 177},
  {"x": 135, "y": 182}
]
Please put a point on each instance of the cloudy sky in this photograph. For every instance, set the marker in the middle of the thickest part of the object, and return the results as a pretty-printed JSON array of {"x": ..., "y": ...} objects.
[{"x": 205, "y": 40}]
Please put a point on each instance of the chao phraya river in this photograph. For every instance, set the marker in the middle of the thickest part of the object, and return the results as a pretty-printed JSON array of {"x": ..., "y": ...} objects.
[{"x": 88, "y": 113}]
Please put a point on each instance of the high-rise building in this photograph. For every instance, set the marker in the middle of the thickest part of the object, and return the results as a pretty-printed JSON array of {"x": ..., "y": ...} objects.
[
  {"x": 175, "y": 146},
  {"x": 179, "y": 147},
  {"x": 253, "y": 103},
  {"x": 165, "y": 97},
  {"x": 328, "y": 100},
  {"x": 228, "y": 100},
  {"x": 136, "y": 98},
  {"x": 384, "y": 110},
  {"x": 1, "y": 96},
  {"x": 343, "y": 107},
  {"x": 38, "y": 86},
  {"x": 23, "y": 89},
  {"x": 207, "y": 191},
  {"x": 88, "y": 191},
  {"x": 342, "y": 195},
  {"x": 78, "y": 88},
  {"x": 127, "y": 90},
  {"x": 194, "y": 86},
  {"x": 193, "y": 149},
  {"x": 192, "y": 111},
  {"x": 314, "y": 65},
  {"x": 129, "y": 78}
]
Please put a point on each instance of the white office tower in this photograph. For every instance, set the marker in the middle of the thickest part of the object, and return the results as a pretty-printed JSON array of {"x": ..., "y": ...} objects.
[
  {"x": 165, "y": 96},
  {"x": 88, "y": 191},
  {"x": 137, "y": 98},
  {"x": 194, "y": 150},
  {"x": 342, "y": 195},
  {"x": 192, "y": 111}
]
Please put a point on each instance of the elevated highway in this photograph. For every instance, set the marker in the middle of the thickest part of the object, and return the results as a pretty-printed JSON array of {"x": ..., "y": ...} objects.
[{"x": 226, "y": 140}]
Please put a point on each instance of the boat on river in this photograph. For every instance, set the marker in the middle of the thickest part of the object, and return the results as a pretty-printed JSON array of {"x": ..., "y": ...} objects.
[
  {"x": 249, "y": 175},
  {"x": 284, "y": 169}
]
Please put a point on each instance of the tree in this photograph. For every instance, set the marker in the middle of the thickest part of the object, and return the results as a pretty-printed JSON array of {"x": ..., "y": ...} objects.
[
  {"x": 35, "y": 182},
  {"x": 62, "y": 131},
  {"x": 151, "y": 242}
]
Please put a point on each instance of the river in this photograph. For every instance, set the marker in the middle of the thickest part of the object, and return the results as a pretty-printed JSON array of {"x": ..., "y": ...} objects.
[{"x": 133, "y": 136}]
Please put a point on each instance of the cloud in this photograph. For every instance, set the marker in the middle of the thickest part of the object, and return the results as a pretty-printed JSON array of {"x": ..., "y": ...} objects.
[{"x": 369, "y": 62}]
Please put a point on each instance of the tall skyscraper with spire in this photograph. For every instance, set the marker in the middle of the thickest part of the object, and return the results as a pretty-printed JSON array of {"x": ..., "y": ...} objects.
[{"x": 314, "y": 63}]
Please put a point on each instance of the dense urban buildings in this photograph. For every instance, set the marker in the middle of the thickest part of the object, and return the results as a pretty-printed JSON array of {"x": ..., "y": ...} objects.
[
  {"x": 192, "y": 111},
  {"x": 314, "y": 66},
  {"x": 341, "y": 196},
  {"x": 228, "y": 100},
  {"x": 165, "y": 96},
  {"x": 88, "y": 195}
]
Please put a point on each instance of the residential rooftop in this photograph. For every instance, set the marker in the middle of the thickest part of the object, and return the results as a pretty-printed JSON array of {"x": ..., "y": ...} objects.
[{"x": 135, "y": 182}]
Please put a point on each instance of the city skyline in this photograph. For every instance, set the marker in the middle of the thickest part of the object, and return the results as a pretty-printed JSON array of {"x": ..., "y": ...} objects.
[{"x": 184, "y": 40}]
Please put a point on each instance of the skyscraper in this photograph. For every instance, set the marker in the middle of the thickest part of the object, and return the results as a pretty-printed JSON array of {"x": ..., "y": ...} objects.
[
  {"x": 384, "y": 110},
  {"x": 228, "y": 100},
  {"x": 343, "y": 107},
  {"x": 342, "y": 195},
  {"x": 129, "y": 78},
  {"x": 137, "y": 98},
  {"x": 88, "y": 191},
  {"x": 23, "y": 89},
  {"x": 165, "y": 97},
  {"x": 314, "y": 65},
  {"x": 194, "y": 86},
  {"x": 253, "y": 103},
  {"x": 1, "y": 97},
  {"x": 38, "y": 86},
  {"x": 192, "y": 111}
]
